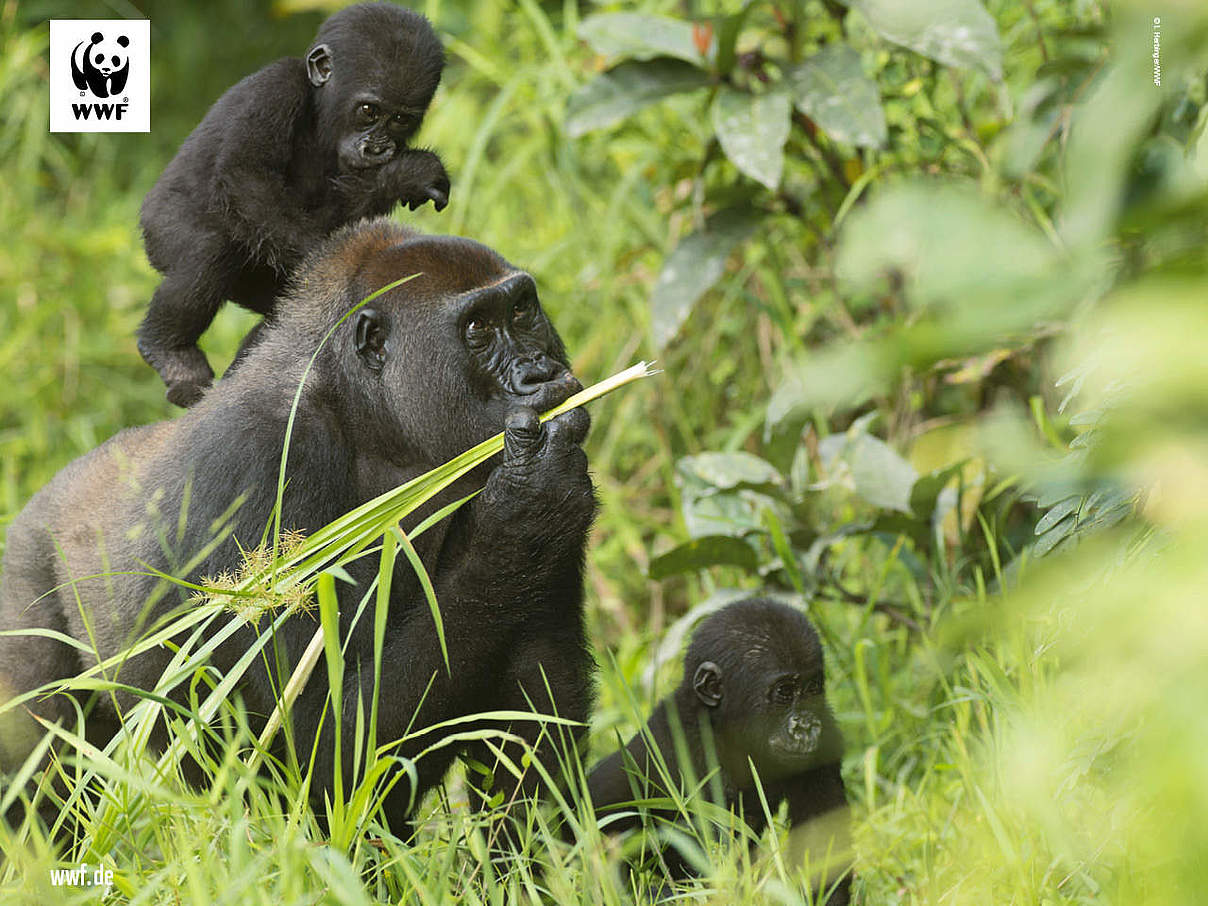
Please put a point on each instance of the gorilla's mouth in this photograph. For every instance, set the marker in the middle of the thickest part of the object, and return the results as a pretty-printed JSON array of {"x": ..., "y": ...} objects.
[
  {"x": 800, "y": 735},
  {"x": 374, "y": 154},
  {"x": 551, "y": 393},
  {"x": 554, "y": 393}
]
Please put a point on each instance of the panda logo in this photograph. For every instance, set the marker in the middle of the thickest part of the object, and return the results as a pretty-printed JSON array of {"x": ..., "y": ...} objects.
[{"x": 101, "y": 66}]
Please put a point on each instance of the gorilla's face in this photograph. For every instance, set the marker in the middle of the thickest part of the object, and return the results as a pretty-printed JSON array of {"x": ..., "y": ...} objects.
[
  {"x": 447, "y": 354},
  {"x": 374, "y": 71},
  {"x": 759, "y": 674}
]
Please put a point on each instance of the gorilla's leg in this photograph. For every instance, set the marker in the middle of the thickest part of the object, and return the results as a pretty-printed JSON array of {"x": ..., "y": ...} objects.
[{"x": 182, "y": 308}]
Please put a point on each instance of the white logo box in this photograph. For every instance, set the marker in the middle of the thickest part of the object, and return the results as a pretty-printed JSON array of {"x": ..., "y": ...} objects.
[{"x": 100, "y": 85}]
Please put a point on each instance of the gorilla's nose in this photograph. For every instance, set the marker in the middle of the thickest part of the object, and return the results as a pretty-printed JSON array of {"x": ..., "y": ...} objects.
[
  {"x": 377, "y": 153},
  {"x": 530, "y": 375}
]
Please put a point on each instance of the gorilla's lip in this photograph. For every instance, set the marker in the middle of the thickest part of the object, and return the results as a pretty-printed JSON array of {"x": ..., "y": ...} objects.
[
  {"x": 374, "y": 155},
  {"x": 356, "y": 159},
  {"x": 550, "y": 394}
]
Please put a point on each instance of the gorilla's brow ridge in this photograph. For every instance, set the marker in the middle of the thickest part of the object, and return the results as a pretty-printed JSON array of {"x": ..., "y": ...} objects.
[{"x": 477, "y": 289}]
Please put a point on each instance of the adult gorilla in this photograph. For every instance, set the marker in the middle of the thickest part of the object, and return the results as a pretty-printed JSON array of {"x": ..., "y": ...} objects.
[{"x": 423, "y": 372}]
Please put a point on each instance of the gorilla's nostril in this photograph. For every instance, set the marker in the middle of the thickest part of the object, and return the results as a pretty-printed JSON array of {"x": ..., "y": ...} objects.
[{"x": 531, "y": 376}]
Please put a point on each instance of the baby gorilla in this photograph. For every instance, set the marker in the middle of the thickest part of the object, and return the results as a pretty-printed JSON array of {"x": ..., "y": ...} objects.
[
  {"x": 286, "y": 156},
  {"x": 752, "y": 695}
]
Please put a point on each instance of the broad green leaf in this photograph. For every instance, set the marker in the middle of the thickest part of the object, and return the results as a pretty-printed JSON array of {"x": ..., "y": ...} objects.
[
  {"x": 870, "y": 467},
  {"x": 894, "y": 523},
  {"x": 882, "y": 477},
  {"x": 640, "y": 37},
  {"x": 692, "y": 267},
  {"x": 727, "y": 494},
  {"x": 714, "y": 550},
  {"x": 626, "y": 89},
  {"x": 839, "y": 376},
  {"x": 1106, "y": 129},
  {"x": 732, "y": 513},
  {"x": 950, "y": 245},
  {"x": 953, "y": 32},
  {"x": 1047, "y": 542},
  {"x": 752, "y": 129},
  {"x": 832, "y": 89},
  {"x": 926, "y": 490},
  {"x": 729, "y": 470}
]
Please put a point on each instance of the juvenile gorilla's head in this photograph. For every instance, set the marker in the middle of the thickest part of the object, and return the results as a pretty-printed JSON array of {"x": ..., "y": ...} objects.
[
  {"x": 431, "y": 367},
  {"x": 755, "y": 667},
  {"x": 374, "y": 68}
]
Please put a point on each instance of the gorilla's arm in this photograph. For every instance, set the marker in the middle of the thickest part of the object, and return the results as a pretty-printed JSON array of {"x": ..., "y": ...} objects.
[
  {"x": 818, "y": 809},
  {"x": 539, "y": 501},
  {"x": 632, "y": 772},
  {"x": 505, "y": 576},
  {"x": 415, "y": 177}
]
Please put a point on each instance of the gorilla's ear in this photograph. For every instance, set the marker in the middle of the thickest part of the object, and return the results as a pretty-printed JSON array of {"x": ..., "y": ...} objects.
[
  {"x": 707, "y": 684},
  {"x": 318, "y": 64},
  {"x": 371, "y": 331},
  {"x": 123, "y": 41}
]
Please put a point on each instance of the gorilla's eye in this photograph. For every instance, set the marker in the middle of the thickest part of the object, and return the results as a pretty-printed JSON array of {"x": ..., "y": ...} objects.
[
  {"x": 523, "y": 310},
  {"x": 401, "y": 121},
  {"x": 477, "y": 328},
  {"x": 782, "y": 692},
  {"x": 368, "y": 111}
]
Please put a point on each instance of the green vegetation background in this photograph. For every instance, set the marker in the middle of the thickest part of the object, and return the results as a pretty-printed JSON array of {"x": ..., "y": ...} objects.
[{"x": 914, "y": 360}]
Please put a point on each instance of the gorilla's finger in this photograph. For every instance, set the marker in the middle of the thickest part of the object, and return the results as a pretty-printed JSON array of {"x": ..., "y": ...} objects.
[
  {"x": 569, "y": 428},
  {"x": 522, "y": 432},
  {"x": 440, "y": 198}
]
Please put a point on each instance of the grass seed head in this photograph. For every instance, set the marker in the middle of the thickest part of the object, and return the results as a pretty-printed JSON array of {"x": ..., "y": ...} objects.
[{"x": 250, "y": 591}]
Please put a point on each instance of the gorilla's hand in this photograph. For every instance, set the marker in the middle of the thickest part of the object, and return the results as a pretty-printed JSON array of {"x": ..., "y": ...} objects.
[
  {"x": 416, "y": 177},
  {"x": 186, "y": 393},
  {"x": 542, "y": 483}
]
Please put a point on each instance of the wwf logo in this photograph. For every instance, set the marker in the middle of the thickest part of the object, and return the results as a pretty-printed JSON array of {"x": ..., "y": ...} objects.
[
  {"x": 100, "y": 75},
  {"x": 101, "y": 66}
]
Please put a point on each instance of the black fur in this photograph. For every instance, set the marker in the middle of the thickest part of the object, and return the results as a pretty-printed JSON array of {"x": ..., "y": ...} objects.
[
  {"x": 417, "y": 376},
  {"x": 753, "y": 691},
  {"x": 284, "y": 157}
]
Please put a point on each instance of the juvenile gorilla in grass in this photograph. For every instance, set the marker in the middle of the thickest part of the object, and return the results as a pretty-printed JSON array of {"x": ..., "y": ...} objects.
[
  {"x": 753, "y": 693},
  {"x": 283, "y": 158},
  {"x": 418, "y": 375}
]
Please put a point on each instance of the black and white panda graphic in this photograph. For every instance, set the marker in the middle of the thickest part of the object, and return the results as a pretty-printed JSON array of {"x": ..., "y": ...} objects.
[{"x": 101, "y": 66}]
